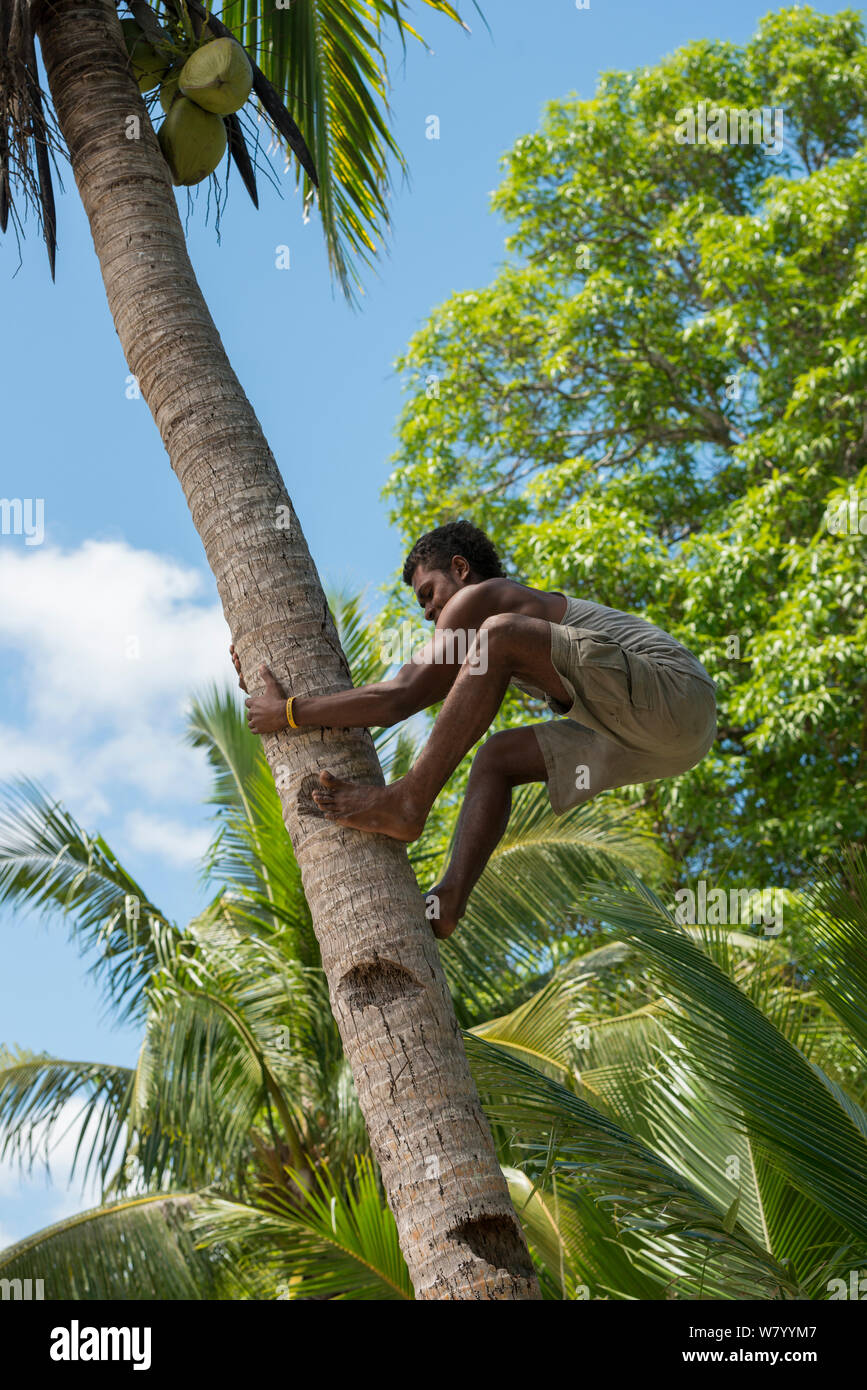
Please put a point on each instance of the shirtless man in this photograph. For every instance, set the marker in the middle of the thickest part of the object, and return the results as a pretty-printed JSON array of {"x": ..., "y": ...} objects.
[{"x": 638, "y": 705}]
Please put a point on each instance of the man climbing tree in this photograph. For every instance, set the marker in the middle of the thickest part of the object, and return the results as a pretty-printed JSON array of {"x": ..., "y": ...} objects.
[{"x": 638, "y": 706}]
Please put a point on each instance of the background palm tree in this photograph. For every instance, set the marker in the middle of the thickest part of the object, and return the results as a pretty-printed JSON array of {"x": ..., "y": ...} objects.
[
  {"x": 678, "y": 1112},
  {"x": 386, "y": 983},
  {"x": 241, "y": 1086}
]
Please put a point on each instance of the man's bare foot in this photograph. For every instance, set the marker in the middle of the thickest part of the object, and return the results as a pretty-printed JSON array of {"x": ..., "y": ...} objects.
[
  {"x": 379, "y": 810},
  {"x": 445, "y": 909}
]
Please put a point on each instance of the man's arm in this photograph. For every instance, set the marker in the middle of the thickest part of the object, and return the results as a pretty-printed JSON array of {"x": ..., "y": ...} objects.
[
  {"x": 419, "y": 684},
  {"x": 415, "y": 687}
]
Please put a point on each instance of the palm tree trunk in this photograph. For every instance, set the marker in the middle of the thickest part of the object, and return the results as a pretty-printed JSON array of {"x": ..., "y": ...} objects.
[{"x": 458, "y": 1229}]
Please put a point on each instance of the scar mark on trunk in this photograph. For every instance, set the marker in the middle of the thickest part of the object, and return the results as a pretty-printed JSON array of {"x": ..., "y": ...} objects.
[
  {"x": 495, "y": 1240},
  {"x": 378, "y": 983}
]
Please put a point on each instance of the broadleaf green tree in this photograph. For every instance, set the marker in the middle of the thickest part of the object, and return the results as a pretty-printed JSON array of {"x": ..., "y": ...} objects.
[{"x": 658, "y": 404}]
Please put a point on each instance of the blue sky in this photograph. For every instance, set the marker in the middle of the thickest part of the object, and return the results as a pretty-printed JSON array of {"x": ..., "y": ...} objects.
[{"x": 102, "y": 728}]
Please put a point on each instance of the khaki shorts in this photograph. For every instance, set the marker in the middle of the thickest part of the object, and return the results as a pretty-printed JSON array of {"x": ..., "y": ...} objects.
[{"x": 631, "y": 719}]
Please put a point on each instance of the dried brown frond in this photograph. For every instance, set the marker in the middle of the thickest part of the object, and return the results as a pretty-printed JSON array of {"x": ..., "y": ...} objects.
[{"x": 28, "y": 131}]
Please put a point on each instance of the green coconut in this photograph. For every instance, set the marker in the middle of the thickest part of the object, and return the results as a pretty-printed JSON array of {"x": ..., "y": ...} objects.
[
  {"x": 168, "y": 90},
  {"x": 148, "y": 66},
  {"x": 192, "y": 140},
  {"x": 218, "y": 77}
]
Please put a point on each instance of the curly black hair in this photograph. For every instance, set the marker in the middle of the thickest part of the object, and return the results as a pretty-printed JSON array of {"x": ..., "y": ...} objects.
[{"x": 437, "y": 548}]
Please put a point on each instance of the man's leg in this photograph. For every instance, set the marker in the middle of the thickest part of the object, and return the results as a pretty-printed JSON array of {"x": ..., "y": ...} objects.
[
  {"x": 508, "y": 759},
  {"x": 513, "y": 645}
]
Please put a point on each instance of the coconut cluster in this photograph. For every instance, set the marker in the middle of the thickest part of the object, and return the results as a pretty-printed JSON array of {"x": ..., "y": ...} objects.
[{"x": 213, "y": 82}]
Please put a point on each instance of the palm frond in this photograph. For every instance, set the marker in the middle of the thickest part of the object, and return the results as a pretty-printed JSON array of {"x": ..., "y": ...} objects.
[
  {"x": 49, "y": 863},
  {"x": 140, "y": 1248},
  {"x": 340, "y": 1244},
  {"x": 35, "y": 1093},
  {"x": 639, "y": 1068},
  {"x": 216, "y": 723},
  {"x": 575, "y": 1243},
  {"x": 634, "y": 1068},
  {"x": 28, "y": 134},
  {"x": 241, "y": 156},
  {"x": 39, "y": 134},
  {"x": 250, "y": 859},
  {"x": 547, "y": 1027},
  {"x": 764, "y": 970},
  {"x": 836, "y": 909},
  {"x": 543, "y": 1030},
  {"x": 669, "y": 1227},
  {"x": 365, "y": 661},
  {"x": 327, "y": 62},
  {"x": 396, "y": 747},
  {"x": 764, "y": 1083},
  {"x": 533, "y": 889},
  {"x": 227, "y": 1041}
]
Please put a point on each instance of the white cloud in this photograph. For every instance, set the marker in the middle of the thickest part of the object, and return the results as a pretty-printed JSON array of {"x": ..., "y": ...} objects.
[
  {"x": 101, "y": 727},
  {"x": 177, "y": 843},
  {"x": 109, "y": 632},
  {"x": 112, "y": 641}
]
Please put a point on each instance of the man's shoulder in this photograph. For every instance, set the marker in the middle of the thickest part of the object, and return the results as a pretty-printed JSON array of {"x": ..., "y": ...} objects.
[
  {"x": 509, "y": 594},
  {"x": 479, "y": 601}
]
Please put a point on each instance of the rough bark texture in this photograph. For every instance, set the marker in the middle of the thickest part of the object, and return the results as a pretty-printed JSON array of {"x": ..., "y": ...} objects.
[{"x": 458, "y": 1229}]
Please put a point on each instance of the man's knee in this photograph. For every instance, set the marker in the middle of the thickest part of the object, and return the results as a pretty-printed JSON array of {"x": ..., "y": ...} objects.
[
  {"x": 512, "y": 756},
  {"x": 502, "y": 624},
  {"x": 492, "y": 759},
  {"x": 499, "y": 636}
]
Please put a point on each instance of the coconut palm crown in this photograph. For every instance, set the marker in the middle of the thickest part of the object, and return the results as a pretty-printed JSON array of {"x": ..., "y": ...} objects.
[{"x": 319, "y": 82}]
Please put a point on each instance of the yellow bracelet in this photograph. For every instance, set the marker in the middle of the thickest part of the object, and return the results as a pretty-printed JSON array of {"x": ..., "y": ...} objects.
[{"x": 289, "y": 720}]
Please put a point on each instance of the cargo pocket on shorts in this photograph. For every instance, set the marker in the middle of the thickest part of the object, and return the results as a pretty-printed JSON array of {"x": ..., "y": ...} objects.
[
  {"x": 603, "y": 675},
  {"x": 641, "y": 680},
  {"x": 613, "y": 676}
]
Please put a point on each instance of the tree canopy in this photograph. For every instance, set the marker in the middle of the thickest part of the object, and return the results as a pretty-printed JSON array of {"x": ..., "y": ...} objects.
[{"x": 659, "y": 404}]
